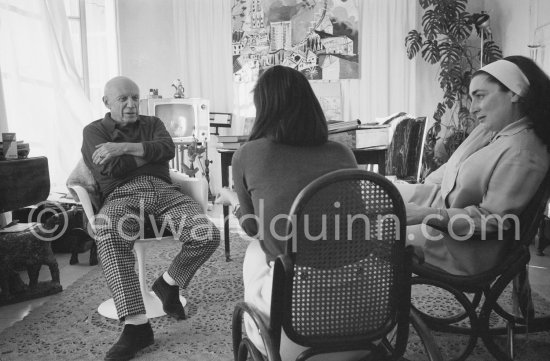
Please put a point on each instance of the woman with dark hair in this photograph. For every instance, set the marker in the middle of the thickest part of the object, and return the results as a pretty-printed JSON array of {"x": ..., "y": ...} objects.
[
  {"x": 287, "y": 149},
  {"x": 492, "y": 176},
  {"x": 287, "y": 110}
]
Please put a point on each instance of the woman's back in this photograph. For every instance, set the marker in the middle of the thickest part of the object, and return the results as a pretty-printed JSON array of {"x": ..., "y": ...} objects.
[{"x": 272, "y": 175}]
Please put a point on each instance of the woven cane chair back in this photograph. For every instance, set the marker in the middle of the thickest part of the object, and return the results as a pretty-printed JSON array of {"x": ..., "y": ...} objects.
[{"x": 351, "y": 280}]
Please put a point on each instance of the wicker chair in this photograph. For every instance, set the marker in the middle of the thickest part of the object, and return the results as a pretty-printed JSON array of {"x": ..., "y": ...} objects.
[
  {"x": 345, "y": 292},
  {"x": 479, "y": 295}
]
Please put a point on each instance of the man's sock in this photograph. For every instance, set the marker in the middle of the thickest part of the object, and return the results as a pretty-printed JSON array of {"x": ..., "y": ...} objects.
[
  {"x": 168, "y": 279},
  {"x": 169, "y": 296},
  {"x": 139, "y": 319}
]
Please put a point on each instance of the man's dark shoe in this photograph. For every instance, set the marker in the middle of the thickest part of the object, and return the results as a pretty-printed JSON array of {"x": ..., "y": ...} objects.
[
  {"x": 133, "y": 339},
  {"x": 170, "y": 298}
]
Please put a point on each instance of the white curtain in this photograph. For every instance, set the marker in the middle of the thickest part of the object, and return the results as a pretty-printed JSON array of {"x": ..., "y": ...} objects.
[
  {"x": 45, "y": 104},
  {"x": 203, "y": 34},
  {"x": 387, "y": 83}
]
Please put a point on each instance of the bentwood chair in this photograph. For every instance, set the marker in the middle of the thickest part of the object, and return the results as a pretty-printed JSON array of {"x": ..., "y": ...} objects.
[
  {"x": 344, "y": 282},
  {"x": 479, "y": 295},
  {"x": 196, "y": 188}
]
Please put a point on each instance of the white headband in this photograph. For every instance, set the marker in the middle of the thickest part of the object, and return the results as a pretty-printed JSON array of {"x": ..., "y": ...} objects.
[{"x": 508, "y": 74}]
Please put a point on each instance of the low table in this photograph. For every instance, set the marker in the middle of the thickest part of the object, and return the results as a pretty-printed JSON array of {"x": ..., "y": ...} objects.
[{"x": 25, "y": 182}]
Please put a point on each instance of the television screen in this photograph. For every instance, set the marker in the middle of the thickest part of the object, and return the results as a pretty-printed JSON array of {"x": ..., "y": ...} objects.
[
  {"x": 179, "y": 119},
  {"x": 186, "y": 119}
]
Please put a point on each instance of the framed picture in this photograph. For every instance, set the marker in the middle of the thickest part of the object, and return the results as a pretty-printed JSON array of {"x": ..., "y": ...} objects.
[{"x": 320, "y": 38}]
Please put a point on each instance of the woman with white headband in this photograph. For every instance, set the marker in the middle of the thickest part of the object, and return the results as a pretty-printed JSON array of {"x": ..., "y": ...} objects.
[{"x": 495, "y": 172}]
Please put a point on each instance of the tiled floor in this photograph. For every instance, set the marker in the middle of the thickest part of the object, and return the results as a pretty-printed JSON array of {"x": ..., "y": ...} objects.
[{"x": 539, "y": 276}]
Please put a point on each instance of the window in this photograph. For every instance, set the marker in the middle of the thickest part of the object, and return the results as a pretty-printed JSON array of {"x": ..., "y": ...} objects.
[
  {"x": 55, "y": 57},
  {"x": 93, "y": 36}
]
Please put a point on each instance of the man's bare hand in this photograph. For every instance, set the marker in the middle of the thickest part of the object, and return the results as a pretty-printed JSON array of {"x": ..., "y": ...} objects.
[{"x": 107, "y": 151}]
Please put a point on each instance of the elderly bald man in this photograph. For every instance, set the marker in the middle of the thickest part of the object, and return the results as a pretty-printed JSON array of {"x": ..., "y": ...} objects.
[{"x": 128, "y": 155}]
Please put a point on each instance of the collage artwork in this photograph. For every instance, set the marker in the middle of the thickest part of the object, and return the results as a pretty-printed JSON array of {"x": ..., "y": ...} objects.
[{"x": 317, "y": 37}]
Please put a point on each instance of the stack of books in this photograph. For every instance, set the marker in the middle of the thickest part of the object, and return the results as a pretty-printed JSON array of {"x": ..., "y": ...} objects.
[
  {"x": 10, "y": 148},
  {"x": 231, "y": 141},
  {"x": 356, "y": 135},
  {"x": 339, "y": 126}
]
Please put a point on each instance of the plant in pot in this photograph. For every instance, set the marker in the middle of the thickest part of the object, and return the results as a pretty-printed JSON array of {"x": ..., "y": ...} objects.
[{"x": 445, "y": 40}]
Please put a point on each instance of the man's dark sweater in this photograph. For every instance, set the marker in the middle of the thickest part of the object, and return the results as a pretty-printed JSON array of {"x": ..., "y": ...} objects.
[{"x": 150, "y": 131}]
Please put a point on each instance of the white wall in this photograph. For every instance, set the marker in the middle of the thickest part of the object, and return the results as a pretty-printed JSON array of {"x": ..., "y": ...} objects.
[
  {"x": 539, "y": 21},
  {"x": 518, "y": 24},
  {"x": 510, "y": 21},
  {"x": 539, "y": 34}
]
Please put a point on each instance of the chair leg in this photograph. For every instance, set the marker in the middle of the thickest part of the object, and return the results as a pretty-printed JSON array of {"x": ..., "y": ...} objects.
[
  {"x": 242, "y": 346},
  {"x": 510, "y": 339},
  {"x": 247, "y": 347},
  {"x": 485, "y": 333},
  {"x": 542, "y": 239},
  {"x": 430, "y": 346},
  {"x": 492, "y": 347},
  {"x": 447, "y": 325}
]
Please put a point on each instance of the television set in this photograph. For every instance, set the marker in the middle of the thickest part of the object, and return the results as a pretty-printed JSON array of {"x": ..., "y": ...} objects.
[{"x": 185, "y": 119}]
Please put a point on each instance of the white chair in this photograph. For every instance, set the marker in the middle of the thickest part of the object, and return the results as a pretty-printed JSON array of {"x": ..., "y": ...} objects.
[{"x": 196, "y": 188}]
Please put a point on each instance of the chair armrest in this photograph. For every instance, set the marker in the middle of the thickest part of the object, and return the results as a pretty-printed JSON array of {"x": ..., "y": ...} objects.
[
  {"x": 86, "y": 202},
  {"x": 477, "y": 235},
  {"x": 417, "y": 255},
  {"x": 196, "y": 188}
]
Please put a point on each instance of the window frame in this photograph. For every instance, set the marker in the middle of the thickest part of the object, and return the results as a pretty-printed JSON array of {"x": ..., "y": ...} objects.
[{"x": 83, "y": 45}]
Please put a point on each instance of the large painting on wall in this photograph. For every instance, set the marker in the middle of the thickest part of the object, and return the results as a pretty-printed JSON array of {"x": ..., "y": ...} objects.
[{"x": 317, "y": 37}]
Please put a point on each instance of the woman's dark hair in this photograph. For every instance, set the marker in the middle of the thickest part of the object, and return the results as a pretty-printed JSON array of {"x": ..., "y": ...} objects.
[
  {"x": 536, "y": 103},
  {"x": 287, "y": 110}
]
